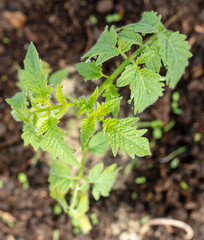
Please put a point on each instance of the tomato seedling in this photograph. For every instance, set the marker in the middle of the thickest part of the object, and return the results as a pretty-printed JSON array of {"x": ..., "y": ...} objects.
[{"x": 140, "y": 71}]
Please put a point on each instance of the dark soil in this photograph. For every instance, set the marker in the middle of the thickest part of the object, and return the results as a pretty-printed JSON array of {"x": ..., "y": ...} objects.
[{"x": 62, "y": 32}]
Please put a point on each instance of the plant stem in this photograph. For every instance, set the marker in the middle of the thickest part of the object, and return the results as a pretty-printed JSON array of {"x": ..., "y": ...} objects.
[
  {"x": 128, "y": 60},
  {"x": 80, "y": 176},
  {"x": 51, "y": 108}
]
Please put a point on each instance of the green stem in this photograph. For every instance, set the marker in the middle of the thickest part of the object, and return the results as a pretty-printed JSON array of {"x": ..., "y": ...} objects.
[
  {"x": 51, "y": 108},
  {"x": 177, "y": 152},
  {"x": 128, "y": 60},
  {"x": 80, "y": 176}
]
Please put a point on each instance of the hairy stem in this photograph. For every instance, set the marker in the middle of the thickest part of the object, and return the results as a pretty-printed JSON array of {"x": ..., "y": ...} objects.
[
  {"x": 128, "y": 60},
  {"x": 80, "y": 176},
  {"x": 51, "y": 108}
]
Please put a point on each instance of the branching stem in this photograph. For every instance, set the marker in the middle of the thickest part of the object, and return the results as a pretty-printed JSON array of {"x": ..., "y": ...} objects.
[{"x": 110, "y": 80}]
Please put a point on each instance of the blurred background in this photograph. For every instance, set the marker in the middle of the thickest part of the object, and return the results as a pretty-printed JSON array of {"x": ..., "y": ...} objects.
[{"x": 168, "y": 184}]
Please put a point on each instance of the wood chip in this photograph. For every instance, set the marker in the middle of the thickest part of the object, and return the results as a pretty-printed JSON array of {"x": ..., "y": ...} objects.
[{"x": 16, "y": 19}]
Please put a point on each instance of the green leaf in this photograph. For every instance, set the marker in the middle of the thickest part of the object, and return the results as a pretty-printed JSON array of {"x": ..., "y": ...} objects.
[
  {"x": 30, "y": 137},
  {"x": 112, "y": 93},
  {"x": 129, "y": 139},
  {"x": 149, "y": 23},
  {"x": 105, "y": 47},
  {"x": 103, "y": 180},
  {"x": 33, "y": 78},
  {"x": 88, "y": 104},
  {"x": 175, "y": 52},
  {"x": 143, "y": 58},
  {"x": 128, "y": 36},
  {"x": 154, "y": 60},
  {"x": 145, "y": 85},
  {"x": 18, "y": 102},
  {"x": 89, "y": 70},
  {"x": 59, "y": 178},
  {"x": 107, "y": 107},
  {"x": 87, "y": 129},
  {"x": 60, "y": 96},
  {"x": 60, "y": 197},
  {"x": 58, "y": 76},
  {"x": 53, "y": 142},
  {"x": 98, "y": 143}
]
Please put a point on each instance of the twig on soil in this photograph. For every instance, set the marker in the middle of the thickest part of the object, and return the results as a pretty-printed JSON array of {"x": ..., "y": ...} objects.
[
  {"x": 174, "y": 17},
  {"x": 172, "y": 222},
  {"x": 73, "y": 17},
  {"x": 7, "y": 217},
  {"x": 89, "y": 39}
]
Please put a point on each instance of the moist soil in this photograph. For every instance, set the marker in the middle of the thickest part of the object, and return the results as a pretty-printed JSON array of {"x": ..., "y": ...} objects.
[{"x": 62, "y": 32}]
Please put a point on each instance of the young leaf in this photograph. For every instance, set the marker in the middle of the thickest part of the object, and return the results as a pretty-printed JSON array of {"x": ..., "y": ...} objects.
[
  {"x": 87, "y": 129},
  {"x": 89, "y": 104},
  {"x": 143, "y": 58},
  {"x": 60, "y": 95},
  {"x": 145, "y": 85},
  {"x": 107, "y": 107},
  {"x": 60, "y": 197},
  {"x": 59, "y": 176},
  {"x": 149, "y": 23},
  {"x": 103, "y": 180},
  {"x": 29, "y": 136},
  {"x": 105, "y": 47},
  {"x": 121, "y": 134},
  {"x": 111, "y": 93},
  {"x": 154, "y": 61},
  {"x": 175, "y": 52},
  {"x": 33, "y": 78},
  {"x": 58, "y": 76},
  {"x": 89, "y": 70},
  {"x": 53, "y": 142},
  {"x": 18, "y": 102},
  {"x": 128, "y": 36},
  {"x": 98, "y": 143}
]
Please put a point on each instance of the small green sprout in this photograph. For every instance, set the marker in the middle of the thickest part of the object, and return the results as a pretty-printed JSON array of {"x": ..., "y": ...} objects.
[
  {"x": 184, "y": 185},
  {"x": 1, "y": 184},
  {"x": 57, "y": 209},
  {"x": 56, "y": 234},
  {"x": 22, "y": 177},
  {"x": 134, "y": 195},
  {"x": 140, "y": 180},
  {"x": 94, "y": 218},
  {"x": 115, "y": 17},
  {"x": 175, "y": 103},
  {"x": 174, "y": 163},
  {"x": 145, "y": 219},
  {"x": 83, "y": 3},
  {"x": 5, "y": 40},
  {"x": 169, "y": 126},
  {"x": 174, "y": 154},
  {"x": 150, "y": 165},
  {"x": 93, "y": 19},
  {"x": 197, "y": 137},
  {"x": 4, "y": 78}
]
